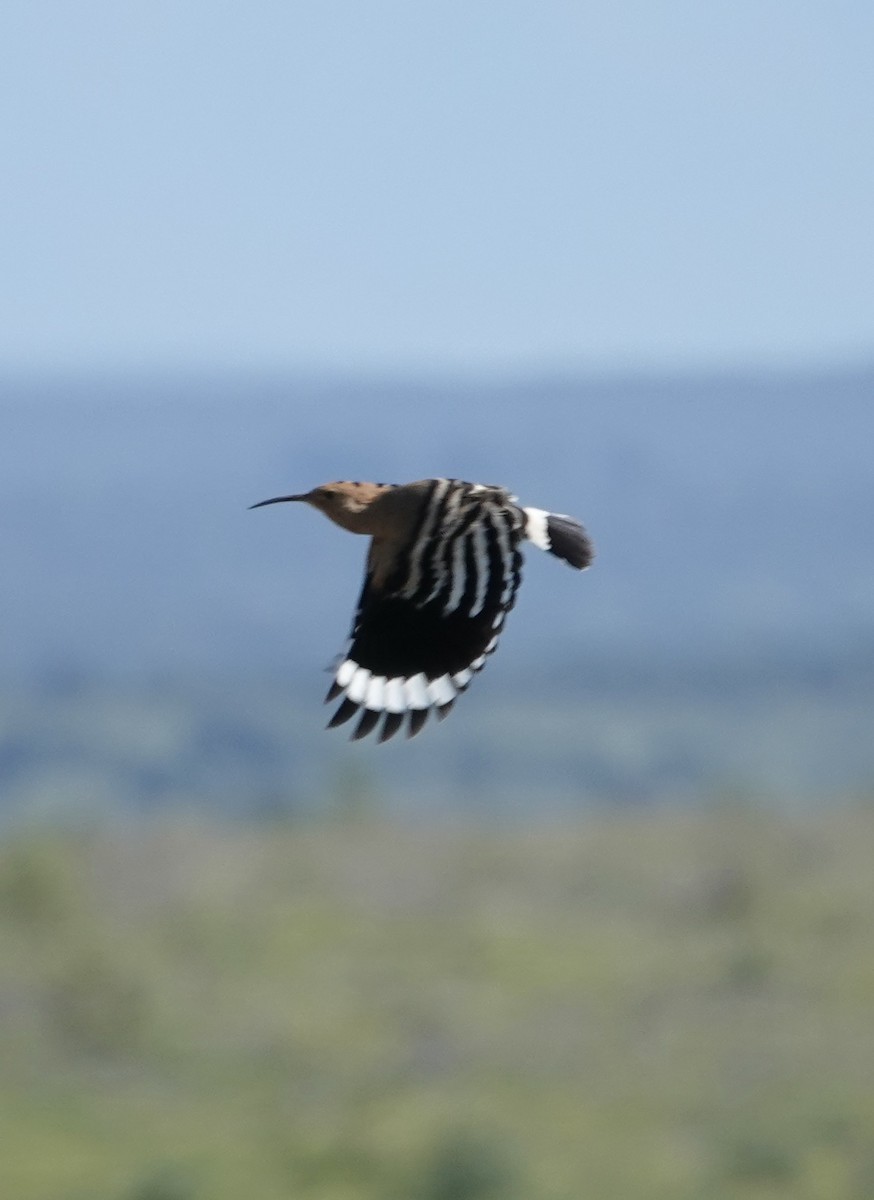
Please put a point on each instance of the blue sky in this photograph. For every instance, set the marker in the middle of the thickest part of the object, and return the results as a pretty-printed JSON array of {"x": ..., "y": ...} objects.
[{"x": 404, "y": 185}]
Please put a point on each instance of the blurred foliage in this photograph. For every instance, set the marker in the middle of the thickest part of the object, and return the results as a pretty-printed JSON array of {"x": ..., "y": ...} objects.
[
  {"x": 589, "y": 734},
  {"x": 665, "y": 1005}
]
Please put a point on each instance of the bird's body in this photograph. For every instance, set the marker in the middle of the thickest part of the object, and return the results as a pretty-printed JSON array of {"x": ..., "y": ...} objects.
[{"x": 442, "y": 572}]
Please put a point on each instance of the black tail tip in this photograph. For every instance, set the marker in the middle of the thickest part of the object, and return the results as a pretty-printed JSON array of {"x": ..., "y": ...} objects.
[{"x": 569, "y": 541}]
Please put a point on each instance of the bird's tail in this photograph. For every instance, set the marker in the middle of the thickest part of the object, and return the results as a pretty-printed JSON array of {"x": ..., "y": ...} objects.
[{"x": 560, "y": 535}]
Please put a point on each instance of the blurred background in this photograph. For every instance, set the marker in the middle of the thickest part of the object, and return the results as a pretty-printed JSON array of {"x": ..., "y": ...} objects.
[{"x": 604, "y": 932}]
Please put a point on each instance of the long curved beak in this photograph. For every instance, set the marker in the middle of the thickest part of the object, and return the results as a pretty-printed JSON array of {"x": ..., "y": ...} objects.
[{"x": 278, "y": 500}]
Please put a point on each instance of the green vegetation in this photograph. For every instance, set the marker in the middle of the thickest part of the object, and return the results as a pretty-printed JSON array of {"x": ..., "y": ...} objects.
[{"x": 669, "y": 1006}]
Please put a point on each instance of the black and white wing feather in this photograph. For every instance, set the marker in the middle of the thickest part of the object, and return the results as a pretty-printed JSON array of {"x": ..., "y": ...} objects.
[{"x": 418, "y": 639}]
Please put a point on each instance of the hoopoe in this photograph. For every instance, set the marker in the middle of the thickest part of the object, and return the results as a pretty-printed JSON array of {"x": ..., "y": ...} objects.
[{"x": 442, "y": 572}]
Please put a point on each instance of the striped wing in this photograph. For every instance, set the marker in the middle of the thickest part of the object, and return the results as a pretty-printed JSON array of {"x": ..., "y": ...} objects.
[{"x": 418, "y": 640}]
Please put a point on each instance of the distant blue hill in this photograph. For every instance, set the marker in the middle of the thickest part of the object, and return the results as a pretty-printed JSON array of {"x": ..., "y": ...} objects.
[{"x": 732, "y": 514}]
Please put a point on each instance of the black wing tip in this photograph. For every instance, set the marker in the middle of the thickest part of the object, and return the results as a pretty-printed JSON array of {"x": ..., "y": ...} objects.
[
  {"x": 344, "y": 713},
  {"x": 418, "y": 717},
  {"x": 393, "y": 722},
  {"x": 370, "y": 718}
]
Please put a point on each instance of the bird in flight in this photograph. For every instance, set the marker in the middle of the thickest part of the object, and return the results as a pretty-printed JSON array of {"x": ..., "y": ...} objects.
[{"x": 442, "y": 572}]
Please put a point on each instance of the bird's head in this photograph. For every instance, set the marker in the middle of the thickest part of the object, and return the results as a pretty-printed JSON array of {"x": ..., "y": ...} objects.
[{"x": 343, "y": 502}]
